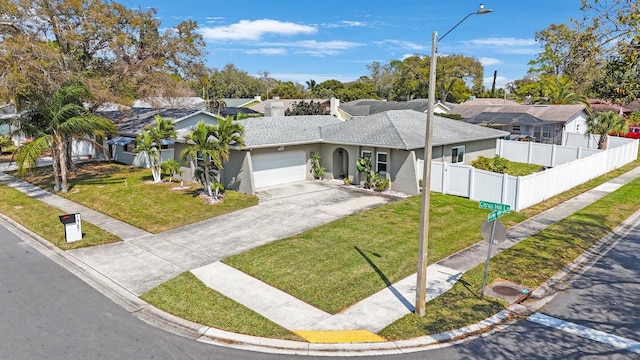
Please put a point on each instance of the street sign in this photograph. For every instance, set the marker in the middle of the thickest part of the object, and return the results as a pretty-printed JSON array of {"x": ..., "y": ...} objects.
[
  {"x": 494, "y": 215},
  {"x": 495, "y": 206}
]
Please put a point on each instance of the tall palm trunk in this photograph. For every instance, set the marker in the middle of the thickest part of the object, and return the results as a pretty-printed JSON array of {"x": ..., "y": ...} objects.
[
  {"x": 602, "y": 143},
  {"x": 56, "y": 169},
  {"x": 62, "y": 158}
]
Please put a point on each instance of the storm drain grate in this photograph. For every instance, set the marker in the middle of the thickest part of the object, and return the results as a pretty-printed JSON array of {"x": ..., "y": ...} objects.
[{"x": 512, "y": 293}]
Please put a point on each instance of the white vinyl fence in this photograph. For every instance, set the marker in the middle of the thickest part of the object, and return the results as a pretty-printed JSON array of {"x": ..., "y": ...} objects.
[{"x": 567, "y": 167}]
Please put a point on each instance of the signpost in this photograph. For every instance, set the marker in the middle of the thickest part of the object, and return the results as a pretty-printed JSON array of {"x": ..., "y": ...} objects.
[{"x": 498, "y": 210}]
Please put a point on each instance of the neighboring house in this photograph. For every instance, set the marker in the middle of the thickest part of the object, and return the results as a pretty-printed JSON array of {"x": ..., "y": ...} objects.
[
  {"x": 365, "y": 107},
  {"x": 544, "y": 123},
  {"x": 278, "y": 149},
  {"x": 132, "y": 122},
  {"x": 599, "y": 105},
  {"x": 277, "y": 106}
]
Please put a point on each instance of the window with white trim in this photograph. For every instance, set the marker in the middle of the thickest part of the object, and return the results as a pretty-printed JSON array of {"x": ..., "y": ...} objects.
[
  {"x": 366, "y": 154},
  {"x": 457, "y": 154},
  {"x": 381, "y": 163}
]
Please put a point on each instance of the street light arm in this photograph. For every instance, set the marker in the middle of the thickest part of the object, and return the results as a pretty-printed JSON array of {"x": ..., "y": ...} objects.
[{"x": 456, "y": 25}]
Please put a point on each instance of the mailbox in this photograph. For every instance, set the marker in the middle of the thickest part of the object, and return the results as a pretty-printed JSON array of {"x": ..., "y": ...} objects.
[{"x": 72, "y": 227}]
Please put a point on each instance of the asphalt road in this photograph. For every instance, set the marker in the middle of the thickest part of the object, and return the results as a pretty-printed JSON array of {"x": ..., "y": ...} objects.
[
  {"x": 604, "y": 303},
  {"x": 47, "y": 312}
]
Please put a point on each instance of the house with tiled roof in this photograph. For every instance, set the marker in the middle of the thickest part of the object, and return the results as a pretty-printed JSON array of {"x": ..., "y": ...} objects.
[
  {"x": 543, "y": 123},
  {"x": 278, "y": 149},
  {"x": 277, "y": 106}
]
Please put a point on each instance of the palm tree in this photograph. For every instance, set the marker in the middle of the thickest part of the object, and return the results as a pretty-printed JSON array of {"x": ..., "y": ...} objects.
[
  {"x": 311, "y": 85},
  {"x": 606, "y": 123},
  {"x": 150, "y": 142},
  {"x": 212, "y": 144},
  {"x": 54, "y": 121},
  {"x": 200, "y": 144},
  {"x": 227, "y": 132}
]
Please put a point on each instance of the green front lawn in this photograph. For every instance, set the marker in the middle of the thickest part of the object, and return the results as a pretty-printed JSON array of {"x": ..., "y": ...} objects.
[
  {"x": 43, "y": 220},
  {"x": 522, "y": 169},
  {"x": 127, "y": 194}
]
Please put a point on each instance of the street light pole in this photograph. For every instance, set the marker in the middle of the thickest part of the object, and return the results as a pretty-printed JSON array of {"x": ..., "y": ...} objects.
[{"x": 421, "y": 286}]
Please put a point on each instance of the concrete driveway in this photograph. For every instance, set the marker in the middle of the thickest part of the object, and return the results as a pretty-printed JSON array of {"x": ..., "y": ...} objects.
[{"x": 141, "y": 264}]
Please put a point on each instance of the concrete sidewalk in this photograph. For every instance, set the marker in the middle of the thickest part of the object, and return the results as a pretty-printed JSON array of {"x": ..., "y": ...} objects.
[{"x": 145, "y": 260}]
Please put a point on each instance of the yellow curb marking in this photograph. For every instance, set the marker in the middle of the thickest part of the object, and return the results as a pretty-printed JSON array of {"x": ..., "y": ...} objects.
[{"x": 338, "y": 336}]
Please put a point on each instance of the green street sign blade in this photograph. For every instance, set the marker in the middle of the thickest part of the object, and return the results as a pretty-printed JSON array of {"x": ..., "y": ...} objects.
[
  {"x": 494, "y": 215},
  {"x": 495, "y": 206}
]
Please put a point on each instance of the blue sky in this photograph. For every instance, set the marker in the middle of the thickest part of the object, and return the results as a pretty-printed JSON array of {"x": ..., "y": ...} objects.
[{"x": 320, "y": 40}]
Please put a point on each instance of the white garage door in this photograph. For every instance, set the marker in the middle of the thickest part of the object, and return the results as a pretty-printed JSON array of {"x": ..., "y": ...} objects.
[{"x": 279, "y": 168}]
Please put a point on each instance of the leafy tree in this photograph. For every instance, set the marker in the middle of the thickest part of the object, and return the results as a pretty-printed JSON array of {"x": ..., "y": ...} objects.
[
  {"x": 54, "y": 121},
  {"x": 383, "y": 78},
  {"x": 149, "y": 142},
  {"x": 327, "y": 89},
  {"x": 606, "y": 123},
  {"x": 118, "y": 53},
  {"x": 454, "y": 72},
  {"x": 231, "y": 82},
  {"x": 621, "y": 80},
  {"x": 306, "y": 108},
  {"x": 361, "y": 89},
  {"x": 288, "y": 90},
  {"x": 412, "y": 78}
]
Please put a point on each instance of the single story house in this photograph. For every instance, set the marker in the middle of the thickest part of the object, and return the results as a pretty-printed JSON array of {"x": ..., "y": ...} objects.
[
  {"x": 544, "y": 123},
  {"x": 278, "y": 149},
  {"x": 131, "y": 123}
]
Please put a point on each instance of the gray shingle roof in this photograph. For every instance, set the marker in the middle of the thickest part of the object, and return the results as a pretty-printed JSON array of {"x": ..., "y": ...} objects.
[
  {"x": 558, "y": 113},
  {"x": 404, "y": 129},
  {"x": 132, "y": 121},
  {"x": 284, "y": 130},
  {"x": 505, "y": 119},
  {"x": 370, "y": 107}
]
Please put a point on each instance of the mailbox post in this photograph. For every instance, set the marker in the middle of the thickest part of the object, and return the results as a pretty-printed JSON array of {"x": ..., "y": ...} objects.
[{"x": 72, "y": 227}]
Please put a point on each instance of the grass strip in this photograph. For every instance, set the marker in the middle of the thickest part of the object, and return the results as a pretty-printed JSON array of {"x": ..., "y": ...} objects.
[
  {"x": 128, "y": 195},
  {"x": 187, "y": 297},
  {"x": 530, "y": 263},
  {"x": 43, "y": 220}
]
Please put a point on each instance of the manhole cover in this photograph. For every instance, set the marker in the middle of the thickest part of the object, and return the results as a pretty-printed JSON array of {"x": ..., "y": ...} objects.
[{"x": 505, "y": 290}]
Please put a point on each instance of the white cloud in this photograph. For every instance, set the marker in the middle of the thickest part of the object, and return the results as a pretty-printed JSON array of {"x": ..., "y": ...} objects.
[
  {"x": 315, "y": 48},
  {"x": 501, "y": 81},
  {"x": 487, "y": 61},
  {"x": 254, "y": 30},
  {"x": 266, "y": 51},
  {"x": 346, "y": 23},
  {"x": 405, "y": 45}
]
